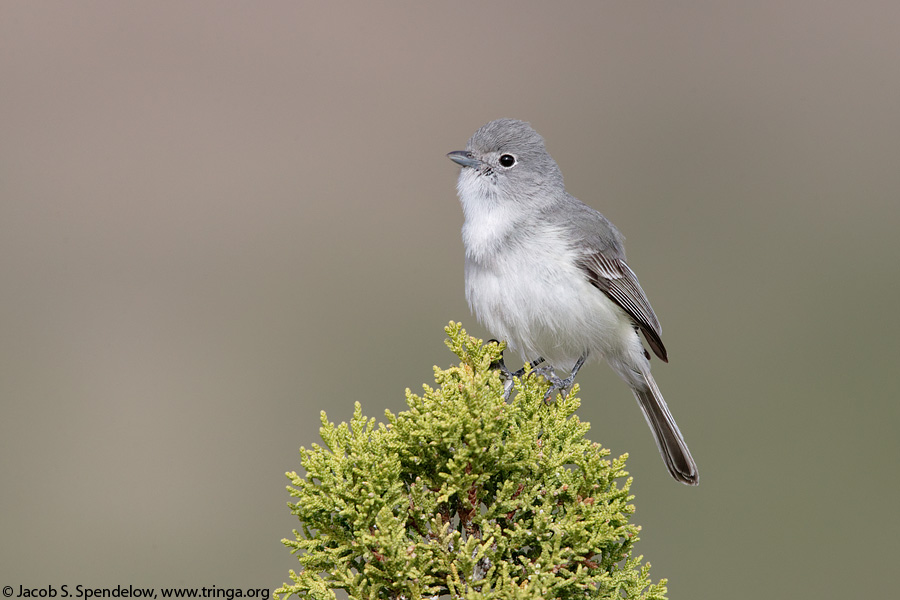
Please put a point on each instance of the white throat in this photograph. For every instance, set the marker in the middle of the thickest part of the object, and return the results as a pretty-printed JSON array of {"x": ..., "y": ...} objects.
[{"x": 489, "y": 219}]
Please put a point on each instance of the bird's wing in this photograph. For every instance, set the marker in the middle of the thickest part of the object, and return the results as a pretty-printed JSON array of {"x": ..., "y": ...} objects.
[{"x": 613, "y": 277}]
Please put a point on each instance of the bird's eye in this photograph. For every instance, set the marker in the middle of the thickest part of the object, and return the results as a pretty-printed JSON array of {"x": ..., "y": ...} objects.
[{"x": 507, "y": 160}]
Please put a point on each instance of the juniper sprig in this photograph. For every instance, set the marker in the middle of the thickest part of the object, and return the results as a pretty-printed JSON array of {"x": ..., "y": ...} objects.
[{"x": 465, "y": 495}]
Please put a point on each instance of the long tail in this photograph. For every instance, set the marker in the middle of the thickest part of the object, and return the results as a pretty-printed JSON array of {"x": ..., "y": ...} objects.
[{"x": 668, "y": 438}]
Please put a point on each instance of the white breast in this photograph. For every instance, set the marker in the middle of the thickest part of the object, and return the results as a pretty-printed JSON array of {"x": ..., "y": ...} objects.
[{"x": 523, "y": 284}]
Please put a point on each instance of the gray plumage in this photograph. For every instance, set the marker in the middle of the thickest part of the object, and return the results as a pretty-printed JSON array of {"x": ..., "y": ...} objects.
[{"x": 547, "y": 273}]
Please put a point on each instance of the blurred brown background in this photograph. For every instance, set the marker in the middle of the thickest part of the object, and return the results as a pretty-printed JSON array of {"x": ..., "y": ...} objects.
[{"x": 218, "y": 219}]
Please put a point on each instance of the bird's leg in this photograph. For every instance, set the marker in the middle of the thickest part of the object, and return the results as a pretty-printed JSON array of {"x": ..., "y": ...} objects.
[
  {"x": 511, "y": 375},
  {"x": 530, "y": 365},
  {"x": 507, "y": 387},
  {"x": 557, "y": 384}
]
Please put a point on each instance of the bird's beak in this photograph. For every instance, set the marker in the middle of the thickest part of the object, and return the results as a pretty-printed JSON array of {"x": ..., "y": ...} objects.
[{"x": 464, "y": 158}]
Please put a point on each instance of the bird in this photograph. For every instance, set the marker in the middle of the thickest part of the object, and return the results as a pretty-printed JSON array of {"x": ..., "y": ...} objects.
[{"x": 547, "y": 274}]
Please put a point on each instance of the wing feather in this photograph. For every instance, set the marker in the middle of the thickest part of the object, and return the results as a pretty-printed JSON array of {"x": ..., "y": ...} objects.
[{"x": 614, "y": 277}]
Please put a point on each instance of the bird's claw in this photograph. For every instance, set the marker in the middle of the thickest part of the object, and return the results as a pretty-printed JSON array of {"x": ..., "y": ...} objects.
[
  {"x": 560, "y": 385},
  {"x": 557, "y": 385},
  {"x": 510, "y": 376}
]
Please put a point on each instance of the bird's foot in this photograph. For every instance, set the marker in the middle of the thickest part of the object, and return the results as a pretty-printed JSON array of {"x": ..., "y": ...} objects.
[
  {"x": 560, "y": 385},
  {"x": 510, "y": 376},
  {"x": 557, "y": 385}
]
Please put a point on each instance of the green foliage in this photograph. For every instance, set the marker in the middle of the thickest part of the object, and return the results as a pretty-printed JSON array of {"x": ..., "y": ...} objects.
[{"x": 466, "y": 496}]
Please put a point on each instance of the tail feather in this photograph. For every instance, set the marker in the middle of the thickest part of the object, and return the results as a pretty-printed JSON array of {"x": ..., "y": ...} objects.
[{"x": 668, "y": 438}]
